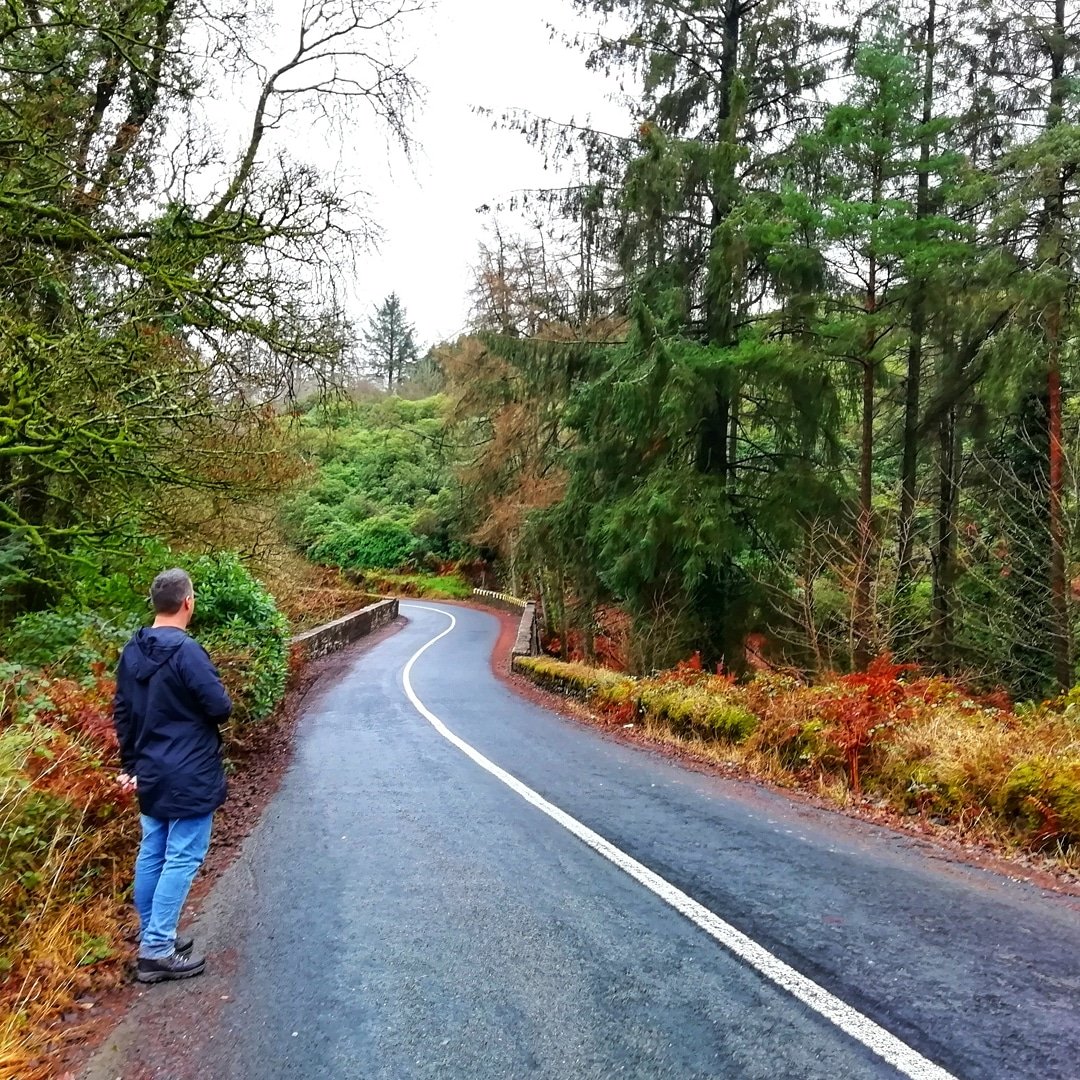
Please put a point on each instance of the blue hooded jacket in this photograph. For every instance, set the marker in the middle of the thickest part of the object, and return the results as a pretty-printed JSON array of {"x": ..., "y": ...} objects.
[{"x": 168, "y": 707}]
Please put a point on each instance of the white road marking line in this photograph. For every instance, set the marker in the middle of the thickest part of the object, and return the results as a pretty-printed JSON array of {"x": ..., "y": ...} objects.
[{"x": 852, "y": 1022}]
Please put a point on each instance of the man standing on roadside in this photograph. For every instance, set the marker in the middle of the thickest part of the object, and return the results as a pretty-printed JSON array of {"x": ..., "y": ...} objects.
[{"x": 169, "y": 706}]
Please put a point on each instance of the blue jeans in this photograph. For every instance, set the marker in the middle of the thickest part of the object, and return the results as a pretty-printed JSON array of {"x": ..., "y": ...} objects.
[{"x": 169, "y": 858}]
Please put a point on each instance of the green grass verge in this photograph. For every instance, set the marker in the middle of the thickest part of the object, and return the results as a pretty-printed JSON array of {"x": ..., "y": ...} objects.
[{"x": 426, "y": 586}]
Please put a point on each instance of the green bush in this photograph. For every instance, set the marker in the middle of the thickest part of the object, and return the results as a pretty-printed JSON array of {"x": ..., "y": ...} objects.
[
  {"x": 671, "y": 704},
  {"x": 380, "y": 543},
  {"x": 116, "y": 583},
  {"x": 617, "y": 694},
  {"x": 730, "y": 722},
  {"x": 578, "y": 680},
  {"x": 105, "y": 597},
  {"x": 237, "y": 621},
  {"x": 67, "y": 642},
  {"x": 1042, "y": 796},
  {"x": 226, "y": 593},
  {"x": 384, "y": 496},
  {"x": 307, "y": 520}
]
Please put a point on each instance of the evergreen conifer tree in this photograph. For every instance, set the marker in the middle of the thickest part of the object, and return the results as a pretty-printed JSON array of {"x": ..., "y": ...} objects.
[{"x": 389, "y": 343}]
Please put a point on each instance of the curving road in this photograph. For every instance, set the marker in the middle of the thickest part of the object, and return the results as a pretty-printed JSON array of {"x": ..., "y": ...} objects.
[{"x": 455, "y": 883}]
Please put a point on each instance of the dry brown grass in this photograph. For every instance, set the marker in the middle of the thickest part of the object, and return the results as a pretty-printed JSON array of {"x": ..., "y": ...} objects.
[
  {"x": 308, "y": 595},
  {"x": 66, "y": 845},
  {"x": 67, "y": 947}
]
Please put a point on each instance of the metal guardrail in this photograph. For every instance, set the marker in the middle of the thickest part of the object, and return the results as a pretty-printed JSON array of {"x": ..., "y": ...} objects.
[{"x": 506, "y": 598}]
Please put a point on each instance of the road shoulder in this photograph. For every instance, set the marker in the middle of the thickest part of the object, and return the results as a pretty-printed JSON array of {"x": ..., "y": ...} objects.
[{"x": 94, "y": 1050}]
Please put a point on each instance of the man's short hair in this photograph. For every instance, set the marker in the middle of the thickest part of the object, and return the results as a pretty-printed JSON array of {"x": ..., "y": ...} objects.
[{"x": 169, "y": 591}]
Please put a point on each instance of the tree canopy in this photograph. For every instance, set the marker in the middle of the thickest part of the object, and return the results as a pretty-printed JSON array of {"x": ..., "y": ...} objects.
[
  {"x": 809, "y": 379},
  {"x": 151, "y": 298}
]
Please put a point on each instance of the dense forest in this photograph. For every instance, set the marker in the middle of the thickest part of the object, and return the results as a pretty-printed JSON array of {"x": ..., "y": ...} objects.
[
  {"x": 793, "y": 363},
  {"x": 167, "y": 275}
]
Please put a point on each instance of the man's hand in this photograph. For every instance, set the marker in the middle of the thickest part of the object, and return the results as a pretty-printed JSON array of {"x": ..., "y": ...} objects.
[{"x": 127, "y": 783}]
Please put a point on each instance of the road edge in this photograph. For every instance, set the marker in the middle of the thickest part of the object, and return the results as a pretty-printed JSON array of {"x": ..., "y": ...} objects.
[{"x": 924, "y": 834}]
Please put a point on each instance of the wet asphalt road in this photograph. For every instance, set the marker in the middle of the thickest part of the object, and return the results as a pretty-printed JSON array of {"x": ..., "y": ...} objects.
[{"x": 400, "y": 913}]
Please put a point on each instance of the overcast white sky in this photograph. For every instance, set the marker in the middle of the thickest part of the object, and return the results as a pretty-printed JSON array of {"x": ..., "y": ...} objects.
[{"x": 493, "y": 53}]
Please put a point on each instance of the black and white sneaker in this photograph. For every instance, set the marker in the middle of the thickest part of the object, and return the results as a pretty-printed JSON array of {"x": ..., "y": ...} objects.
[{"x": 168, "y": 968}]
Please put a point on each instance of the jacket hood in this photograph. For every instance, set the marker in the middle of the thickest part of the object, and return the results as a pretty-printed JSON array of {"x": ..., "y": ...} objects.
[{"x": 150, "y": 648}]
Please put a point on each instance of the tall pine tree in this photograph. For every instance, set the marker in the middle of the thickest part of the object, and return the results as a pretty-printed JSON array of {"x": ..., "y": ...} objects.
[{"x": 389, "y": 343}]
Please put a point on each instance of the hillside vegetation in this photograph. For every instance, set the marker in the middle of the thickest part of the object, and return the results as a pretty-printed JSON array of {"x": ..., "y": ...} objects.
[{"x": 383, "y": 495}]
